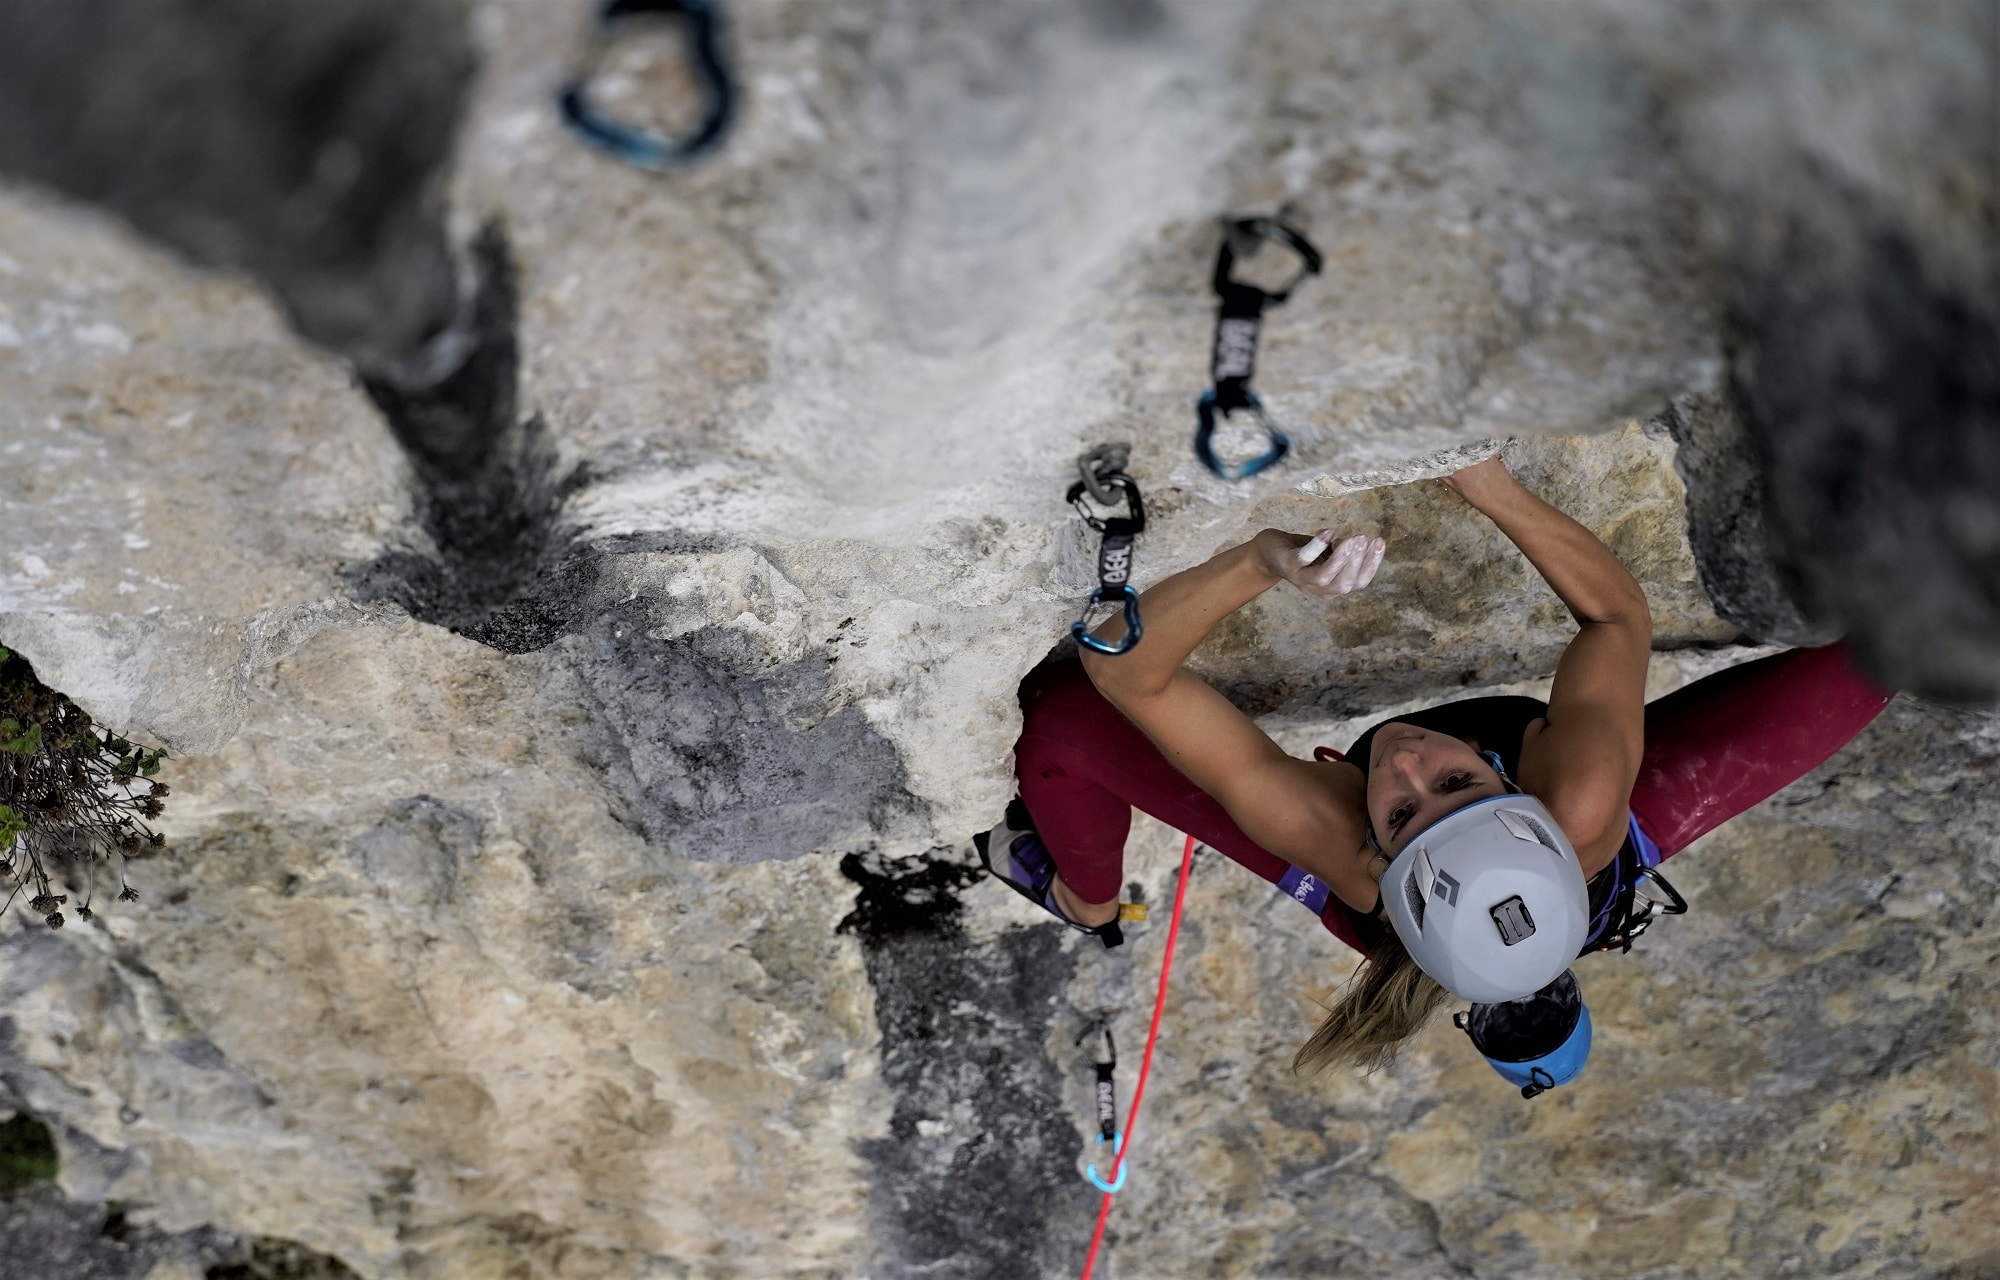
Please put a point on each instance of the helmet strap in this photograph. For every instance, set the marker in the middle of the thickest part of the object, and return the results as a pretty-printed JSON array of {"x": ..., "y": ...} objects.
[{"x": 1493, "y": 758}]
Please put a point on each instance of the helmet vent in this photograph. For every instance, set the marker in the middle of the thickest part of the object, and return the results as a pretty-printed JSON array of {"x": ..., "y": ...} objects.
[
  {"x": 1526, "y": 826},
  {"x": 1413, "y": 895},
  {"x": 1513, "y": 921}
]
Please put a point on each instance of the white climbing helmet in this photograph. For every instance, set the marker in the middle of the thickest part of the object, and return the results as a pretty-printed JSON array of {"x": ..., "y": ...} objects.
[{"x": 1490, "y": 899}]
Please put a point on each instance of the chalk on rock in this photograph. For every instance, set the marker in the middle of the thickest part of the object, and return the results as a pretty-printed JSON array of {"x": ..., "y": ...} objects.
[{"x": 1428, "y": 467}]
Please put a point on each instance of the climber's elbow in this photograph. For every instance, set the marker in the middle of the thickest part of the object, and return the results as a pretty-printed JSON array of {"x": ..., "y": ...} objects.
[{"x": 1122, "y": 680}]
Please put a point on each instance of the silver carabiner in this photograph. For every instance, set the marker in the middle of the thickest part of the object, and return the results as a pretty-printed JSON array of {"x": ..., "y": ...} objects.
[{"x": 1097, "y": 465}]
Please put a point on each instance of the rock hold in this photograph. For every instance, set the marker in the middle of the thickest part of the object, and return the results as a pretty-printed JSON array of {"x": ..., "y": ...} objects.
[{"x": 502, "y": 933}]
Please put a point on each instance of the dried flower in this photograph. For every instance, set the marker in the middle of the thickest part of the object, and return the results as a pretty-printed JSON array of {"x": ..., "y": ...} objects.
[
  {"x": 83, "y": 913},
  {"x": 55, "y": 920},
  {"x": 128, "y": 894}
]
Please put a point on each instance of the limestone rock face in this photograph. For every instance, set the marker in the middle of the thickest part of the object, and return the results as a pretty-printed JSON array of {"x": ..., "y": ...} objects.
[{"x": 625, "y": 924}]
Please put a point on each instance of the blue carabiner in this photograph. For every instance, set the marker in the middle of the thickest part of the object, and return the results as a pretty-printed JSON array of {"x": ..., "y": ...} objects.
[
  {"x": 1206, "y": 410},
  {"x": 1080, "y": 629},
  {"x": 637, "y": 147},
  {"x": 1124, "y": 1170}
]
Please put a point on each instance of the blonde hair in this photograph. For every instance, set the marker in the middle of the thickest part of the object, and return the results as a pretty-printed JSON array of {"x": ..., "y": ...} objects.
[{"x": 1388, "y": 1000}]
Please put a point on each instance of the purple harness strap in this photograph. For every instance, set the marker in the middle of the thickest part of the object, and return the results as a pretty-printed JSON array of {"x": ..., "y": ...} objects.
[{"x": 1301, "y": 887}]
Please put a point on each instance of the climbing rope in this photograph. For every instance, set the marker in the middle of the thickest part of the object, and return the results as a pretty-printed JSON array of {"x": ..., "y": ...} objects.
[
  {"x": 1123, "y": 1143},
  {"x": 1238, "y": 321},
  {"x": 638, "y": 147},
  {"x": 1103, "y": 478}
]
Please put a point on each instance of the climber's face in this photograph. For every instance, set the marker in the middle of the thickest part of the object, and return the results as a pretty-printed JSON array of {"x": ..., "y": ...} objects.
[{"x": 1416, "y": 776}]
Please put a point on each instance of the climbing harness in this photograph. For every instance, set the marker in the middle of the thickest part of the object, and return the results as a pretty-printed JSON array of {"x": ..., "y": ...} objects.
[
  {"x": 1104, "y": 1061},
  {"x": 1239, "y": 319},
  {"x": 1630, "y": 909},
  {"x": 1103, "y": 478},
  {"x": 1122, "y": 1144},
  {"x": 638, "y": 147}
]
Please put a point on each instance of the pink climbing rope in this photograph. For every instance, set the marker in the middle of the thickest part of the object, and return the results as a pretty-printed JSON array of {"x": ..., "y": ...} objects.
[{"x": 1145, "y": 1062}]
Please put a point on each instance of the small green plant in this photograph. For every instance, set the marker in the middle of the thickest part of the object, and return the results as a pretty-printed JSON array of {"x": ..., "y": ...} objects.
[
  {"x": 70, "y": 794},
  {"x": 27, "y": 1153}
]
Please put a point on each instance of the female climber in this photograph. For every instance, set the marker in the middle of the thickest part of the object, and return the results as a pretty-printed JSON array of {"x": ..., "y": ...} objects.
[{"x": 1476, "y": 848}]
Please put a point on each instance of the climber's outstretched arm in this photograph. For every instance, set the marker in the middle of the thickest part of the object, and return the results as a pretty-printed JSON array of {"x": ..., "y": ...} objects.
[
  {"x": 1584, "y": 758},
  {"x": 1309, "y": 814}
]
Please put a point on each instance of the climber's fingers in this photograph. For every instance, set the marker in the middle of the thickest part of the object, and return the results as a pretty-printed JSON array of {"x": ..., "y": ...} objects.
[
  {"x": 1350, "y": 567},
  {"x": 1366, "y": 563},
  {"x": 1339, "y": 566}
]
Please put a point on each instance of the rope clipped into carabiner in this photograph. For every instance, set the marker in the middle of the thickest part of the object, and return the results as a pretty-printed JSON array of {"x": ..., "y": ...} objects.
[
  {"x": 1122, "y": 1144},
  {"x": 1103, "y": 478},
  {"x": 636, "y": 146},
  {"x": 1104, "y": 1061},
  {"x": 1239, "y": 320}
]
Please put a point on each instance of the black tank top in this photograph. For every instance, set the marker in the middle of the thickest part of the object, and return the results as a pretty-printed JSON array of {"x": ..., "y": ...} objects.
[
  {"x": 1496, "y": 724},
  {"x": 1499, "y": 725}
]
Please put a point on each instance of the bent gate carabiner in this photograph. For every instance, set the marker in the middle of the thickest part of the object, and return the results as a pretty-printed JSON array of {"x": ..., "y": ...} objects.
[{"x": 635, "y": 146}]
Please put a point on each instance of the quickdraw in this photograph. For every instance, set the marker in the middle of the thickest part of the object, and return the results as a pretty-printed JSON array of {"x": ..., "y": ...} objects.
[
  {"x": 1118, "y": 1160},
  {"x": 1104, "y": 1061},
  {"x": 1103, "y": 478},
  {"x": 1239, "y": 319},
  {"x": 636, "y": 146}
]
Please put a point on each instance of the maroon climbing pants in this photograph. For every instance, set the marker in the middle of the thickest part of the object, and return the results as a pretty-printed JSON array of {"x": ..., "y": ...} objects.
[{"x": 1713, "y": 749}]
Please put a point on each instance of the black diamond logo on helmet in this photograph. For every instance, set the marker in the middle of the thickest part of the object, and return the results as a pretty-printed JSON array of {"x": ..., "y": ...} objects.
[{"x": 1445, "y": 887}]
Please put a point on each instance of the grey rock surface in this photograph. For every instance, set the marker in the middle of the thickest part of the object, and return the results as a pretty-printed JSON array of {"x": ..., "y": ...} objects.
[
  {"x": 305, "y": 144},
  {"x": 595, "y": 900},
  {"x": 1729, "y": 527}
]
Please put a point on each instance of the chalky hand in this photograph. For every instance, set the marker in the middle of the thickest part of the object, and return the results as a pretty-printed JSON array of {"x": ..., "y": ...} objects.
[{"x": 1323, "y": 574}]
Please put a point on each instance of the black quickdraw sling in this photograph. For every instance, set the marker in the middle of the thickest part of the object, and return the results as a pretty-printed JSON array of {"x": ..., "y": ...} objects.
[
  {"x": 638, "y": 147},
  {"x": 1104, "y": 1061},
  {"x": 1238, "y": 321},
  {"x": 1103, "y": 478}
]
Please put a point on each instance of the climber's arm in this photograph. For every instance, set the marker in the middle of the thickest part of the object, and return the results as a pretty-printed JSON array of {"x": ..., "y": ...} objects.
[
  {"x": 1306, "y": 813},
  {"x": 1583, "y": 760}
]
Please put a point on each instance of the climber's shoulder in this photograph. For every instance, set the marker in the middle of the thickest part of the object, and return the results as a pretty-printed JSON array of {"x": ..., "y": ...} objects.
[{"x": 1316, "y": 818}]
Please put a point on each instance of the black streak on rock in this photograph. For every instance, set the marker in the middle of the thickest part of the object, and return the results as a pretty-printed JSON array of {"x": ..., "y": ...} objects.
[
  {"x": 719, "y": 755},
  {"x": 994, "y": 1193},
  {"x": 1728, "y": 528},
  {"x": 499, "y": 567},
  {"x": 1873, "y": 389}
]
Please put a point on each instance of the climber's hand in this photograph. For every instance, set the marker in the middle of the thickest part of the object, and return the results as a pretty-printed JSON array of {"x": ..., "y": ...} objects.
[
  {"x": 1481, "y": 481},
  {"x": 1319, "y": 566}
]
